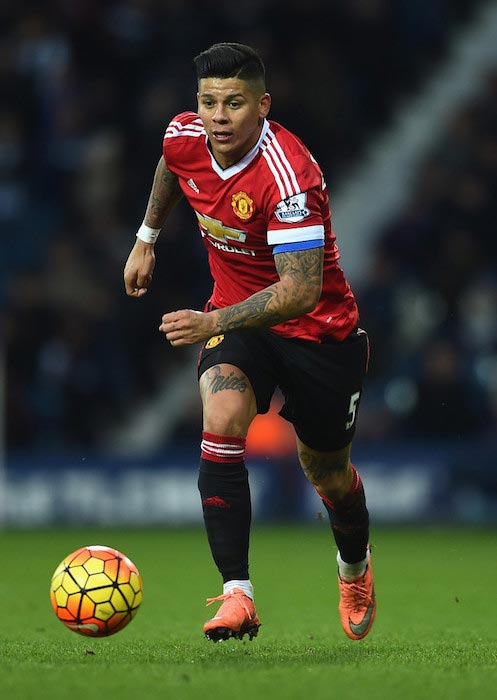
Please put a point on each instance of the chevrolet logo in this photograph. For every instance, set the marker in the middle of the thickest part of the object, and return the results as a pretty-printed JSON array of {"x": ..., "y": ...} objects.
[{"x": 217, "y": 229}]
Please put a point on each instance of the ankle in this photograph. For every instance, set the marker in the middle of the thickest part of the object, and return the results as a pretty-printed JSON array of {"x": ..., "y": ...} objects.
[
  {"x": 351, "y": 572},
  {"x": 244, "y": 585}
]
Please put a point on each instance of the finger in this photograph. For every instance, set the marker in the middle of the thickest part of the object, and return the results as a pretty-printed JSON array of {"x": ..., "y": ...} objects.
[
  {"x": 135, "y": 291},
  {"x": 128, "y": 286},
  {"x": 172, "y": 321},
  {"x": 173, "y": 334},
  {"x": 178, "y": 342},
  {"x": 170, "y": 331},
  {"x": 143, "y": 280},
  {"x": 171, "y": 316}
]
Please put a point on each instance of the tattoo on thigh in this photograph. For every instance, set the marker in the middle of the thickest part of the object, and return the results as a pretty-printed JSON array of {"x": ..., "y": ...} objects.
[{"x": 216, "y": 381}]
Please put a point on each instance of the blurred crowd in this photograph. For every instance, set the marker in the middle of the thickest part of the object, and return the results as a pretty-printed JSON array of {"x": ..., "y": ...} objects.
[
  {"x": 89, "y": 87},
  {"x": 430, "y": 300}
]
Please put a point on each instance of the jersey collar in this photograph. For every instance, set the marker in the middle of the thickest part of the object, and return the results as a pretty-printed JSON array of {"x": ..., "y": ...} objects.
[{"x": 243, "y": 162}]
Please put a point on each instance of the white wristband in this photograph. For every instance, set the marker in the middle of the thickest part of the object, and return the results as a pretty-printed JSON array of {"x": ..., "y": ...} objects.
[{"x": 147, "y": 234}]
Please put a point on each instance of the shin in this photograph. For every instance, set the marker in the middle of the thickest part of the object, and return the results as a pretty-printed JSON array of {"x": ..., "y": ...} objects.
[{"x": 340, "y": 487}]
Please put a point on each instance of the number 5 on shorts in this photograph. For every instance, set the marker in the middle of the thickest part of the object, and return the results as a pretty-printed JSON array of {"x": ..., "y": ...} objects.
[{"x": 354, "y": 400}]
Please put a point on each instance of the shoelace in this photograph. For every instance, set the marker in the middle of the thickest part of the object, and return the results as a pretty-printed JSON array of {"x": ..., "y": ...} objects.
[
  {"x": 238, "y": 597},
  {"x": 357, "y": 594}
]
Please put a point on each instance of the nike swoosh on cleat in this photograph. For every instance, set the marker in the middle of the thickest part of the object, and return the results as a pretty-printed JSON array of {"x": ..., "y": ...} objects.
[{"x": 360, "y": 627}]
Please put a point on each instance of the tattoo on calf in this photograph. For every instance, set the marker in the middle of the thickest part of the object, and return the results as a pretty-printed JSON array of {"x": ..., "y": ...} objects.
[
  {"x": 315, "y": 468},
  {"x": 215, "y": 381}
]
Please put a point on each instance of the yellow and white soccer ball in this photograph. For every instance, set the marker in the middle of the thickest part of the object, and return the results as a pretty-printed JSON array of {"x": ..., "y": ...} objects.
[{"x": 96, "y": 591}]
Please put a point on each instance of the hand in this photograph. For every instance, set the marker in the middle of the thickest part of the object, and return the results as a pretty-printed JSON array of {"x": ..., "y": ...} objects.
[
  {"x": 139, "y": 269},
  {"x": 187, "y": 327}
]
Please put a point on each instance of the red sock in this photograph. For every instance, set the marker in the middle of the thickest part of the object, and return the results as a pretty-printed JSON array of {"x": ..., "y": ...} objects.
[{"x": 222, "y": 448}]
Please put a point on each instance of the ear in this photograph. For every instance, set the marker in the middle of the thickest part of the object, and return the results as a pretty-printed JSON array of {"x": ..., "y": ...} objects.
[{"x": 264, "y": 105}]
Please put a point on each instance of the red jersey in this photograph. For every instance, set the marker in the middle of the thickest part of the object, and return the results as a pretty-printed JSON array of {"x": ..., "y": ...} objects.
[{"x": 273, "y": 199}]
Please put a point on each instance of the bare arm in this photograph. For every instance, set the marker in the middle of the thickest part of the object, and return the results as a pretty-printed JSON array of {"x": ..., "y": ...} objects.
[
  {"x": 296, "y": 293},
  {"x": 164, "y": 196}
]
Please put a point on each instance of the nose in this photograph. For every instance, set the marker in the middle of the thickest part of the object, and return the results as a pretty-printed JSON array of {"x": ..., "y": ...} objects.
[{"x": 220, "y": 116}]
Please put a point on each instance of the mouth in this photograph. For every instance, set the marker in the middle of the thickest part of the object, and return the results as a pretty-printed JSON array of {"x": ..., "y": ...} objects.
[{"x": 221, "y": 136}]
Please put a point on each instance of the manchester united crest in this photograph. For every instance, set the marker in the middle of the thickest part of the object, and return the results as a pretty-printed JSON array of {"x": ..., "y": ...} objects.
[
  {"x": 215, "y": 340},
  {"x": 243, "y": 205}
]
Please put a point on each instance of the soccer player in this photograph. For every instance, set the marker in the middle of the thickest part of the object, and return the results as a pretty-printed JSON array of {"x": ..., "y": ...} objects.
[{"x": 281, "y": 314}]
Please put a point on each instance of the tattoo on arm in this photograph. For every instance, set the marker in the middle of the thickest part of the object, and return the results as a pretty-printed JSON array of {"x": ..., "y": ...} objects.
[
  {"x": 164, "y": 196},
  {"x": 305, "y": 267},
  {"x": 296, "y": 293},
  {"x": 256, "y": 311}
]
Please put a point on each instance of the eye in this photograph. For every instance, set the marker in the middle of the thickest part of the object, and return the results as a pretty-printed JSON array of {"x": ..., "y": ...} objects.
[{"x": 234, "y": 104}]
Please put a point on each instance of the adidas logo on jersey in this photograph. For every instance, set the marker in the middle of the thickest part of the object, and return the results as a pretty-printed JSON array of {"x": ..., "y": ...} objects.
[{"x": 193, "y": 185}]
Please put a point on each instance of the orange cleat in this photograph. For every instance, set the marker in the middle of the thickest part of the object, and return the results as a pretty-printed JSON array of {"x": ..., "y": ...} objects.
[
  {"x": 357, "y": 605},
  {"x": 235, "y": 617}
]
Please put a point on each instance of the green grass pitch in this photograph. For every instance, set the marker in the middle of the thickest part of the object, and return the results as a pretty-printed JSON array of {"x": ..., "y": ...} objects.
[{"x": 435, "y": 635}]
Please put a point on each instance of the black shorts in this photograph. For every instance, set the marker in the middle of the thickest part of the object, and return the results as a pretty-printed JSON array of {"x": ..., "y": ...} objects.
[{"x": 321, "y": 382}]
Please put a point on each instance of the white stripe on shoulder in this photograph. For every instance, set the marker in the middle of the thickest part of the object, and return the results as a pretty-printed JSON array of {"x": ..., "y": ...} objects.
[
  {"x": 279, "y": 165},
  {"x": 285, "y": 161},
  {"x": 274, "y": 162},
  {"x": 176, "y": 128},
  {"x": 276, "y": 175},
  {"x": 196, "y": 124}
]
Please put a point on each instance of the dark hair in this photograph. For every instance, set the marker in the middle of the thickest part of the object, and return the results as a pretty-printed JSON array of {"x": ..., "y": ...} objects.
[{"x": 230, "y": 60}]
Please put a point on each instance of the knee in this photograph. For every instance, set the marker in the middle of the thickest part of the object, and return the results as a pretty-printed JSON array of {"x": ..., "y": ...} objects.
[
  {"x": 225, "y": 424},
  {"x": 227, "y": 412},
  {"x": 335, "y": 481},
  {"x": 229, "y": 417}
]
